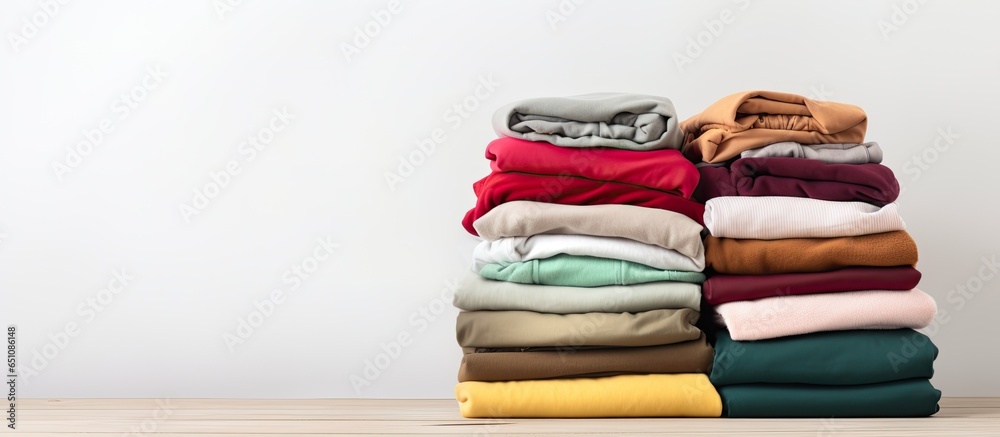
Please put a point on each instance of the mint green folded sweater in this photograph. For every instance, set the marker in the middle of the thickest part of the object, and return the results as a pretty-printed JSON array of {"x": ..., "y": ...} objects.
[{"x": 584, "y": 271}]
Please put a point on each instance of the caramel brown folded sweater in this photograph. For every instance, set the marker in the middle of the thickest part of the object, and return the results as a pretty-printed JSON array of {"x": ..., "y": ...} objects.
[
  {"x": 753, "y": 119},
  {"x": 688, "y": 357},
  {"x": 803, "y": 255}
]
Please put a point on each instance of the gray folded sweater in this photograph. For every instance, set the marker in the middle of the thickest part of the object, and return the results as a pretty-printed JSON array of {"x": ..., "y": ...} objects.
[
  {"x": 475, "y": 293},
  {"x": 618, "y": 120},
  {"x": 863, "y": 153}
]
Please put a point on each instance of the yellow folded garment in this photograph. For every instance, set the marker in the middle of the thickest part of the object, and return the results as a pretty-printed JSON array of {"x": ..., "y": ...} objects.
[{"x": 680, "y": 395}]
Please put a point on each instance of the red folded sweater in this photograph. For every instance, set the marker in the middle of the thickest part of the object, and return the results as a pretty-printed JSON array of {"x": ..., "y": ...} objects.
[
  {"x": 665, "y": 170},
  {"x": 503, "y": 187}
]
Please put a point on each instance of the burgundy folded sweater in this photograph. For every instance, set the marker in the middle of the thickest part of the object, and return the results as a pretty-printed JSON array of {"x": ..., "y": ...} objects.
[
  {"x": 730, "y": 288},
  {"x": 797, "y": 177}
]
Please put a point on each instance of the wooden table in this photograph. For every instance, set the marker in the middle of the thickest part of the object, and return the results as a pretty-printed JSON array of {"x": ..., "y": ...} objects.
[{"x": 261, "y": 418}]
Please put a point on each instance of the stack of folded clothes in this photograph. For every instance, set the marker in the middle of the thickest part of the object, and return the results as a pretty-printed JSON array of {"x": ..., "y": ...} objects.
[
  {"x": 586, "y": 289},
  {"x": 811, "y": 269}
]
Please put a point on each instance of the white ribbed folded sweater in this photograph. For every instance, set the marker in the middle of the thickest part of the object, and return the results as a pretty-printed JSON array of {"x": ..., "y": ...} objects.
[{"x": 773, "y": 218}]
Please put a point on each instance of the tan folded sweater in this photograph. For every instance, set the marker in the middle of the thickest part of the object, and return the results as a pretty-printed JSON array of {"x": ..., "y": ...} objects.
[
  {"x": 501, "y": 329},
  {"x": 667, "y": 229},
  {"x": 753, "y": 119},
  {"x": 804, "y": 255}
]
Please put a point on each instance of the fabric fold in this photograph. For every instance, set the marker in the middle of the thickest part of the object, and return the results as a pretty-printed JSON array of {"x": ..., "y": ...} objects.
[
  {"x": 682, "y": 395},
  {"x": 475, "y": 293},
  {"x": 803, "y": 314},
  {"x": 773, "y": 218},
  {"x": 509, "y": 250},
  {"x": 667, "y": 229},
  {"x": 664, "y": 170},
  {"x": 720, "y": 289},
  {"x": 498, "y": 188},
  {"x": 618, "y": 120},
  {"x": 753, "y": 119},
  {"x": 793, "y": 177},
  {"x": 584, "y": 271},
  {"x": 907, "y": 398},
  {"x": 529, "y": 329},
  {"x": 693, "y": 356},
  {"x": 805, "y": 255},
  {"x": 864, "y": 153},
  {"x": 825, "y": 358}
]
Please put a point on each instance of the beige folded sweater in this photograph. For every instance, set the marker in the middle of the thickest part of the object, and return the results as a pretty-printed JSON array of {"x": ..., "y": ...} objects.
[{"x": 667, "y": 229}]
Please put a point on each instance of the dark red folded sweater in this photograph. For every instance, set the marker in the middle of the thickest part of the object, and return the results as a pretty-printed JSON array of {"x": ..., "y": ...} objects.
[
  {"x": 664, "y": 170},
  {"x": 720, "y": 289},
  {"x": 798, "y": 177},
  {"x": 503, "y": 187}
]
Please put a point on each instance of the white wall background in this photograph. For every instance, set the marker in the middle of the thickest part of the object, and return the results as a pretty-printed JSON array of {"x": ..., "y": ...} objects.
[{"x": 324, "y": 175}]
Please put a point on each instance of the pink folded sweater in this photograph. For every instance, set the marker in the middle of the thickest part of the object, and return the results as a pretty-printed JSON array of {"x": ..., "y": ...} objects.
[{"x": 783, "y": 316}]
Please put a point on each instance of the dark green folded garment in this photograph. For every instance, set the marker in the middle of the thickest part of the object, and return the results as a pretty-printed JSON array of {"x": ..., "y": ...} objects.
[
  {"x": 907, "y": 398},
  {"x": 825, "y": 358},
  {"x": 584, "y": 271}
]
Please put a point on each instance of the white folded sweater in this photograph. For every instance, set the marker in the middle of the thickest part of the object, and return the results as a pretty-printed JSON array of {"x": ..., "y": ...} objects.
[
  {"x": 516, "y": 249},
  {"x": 773, "y": 218}
]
